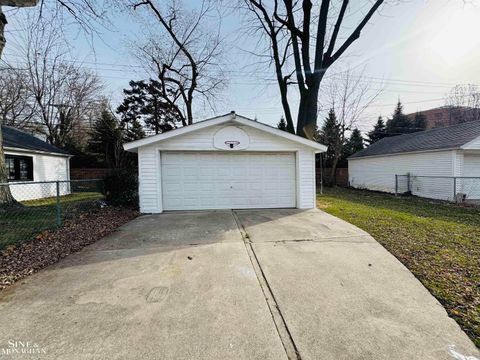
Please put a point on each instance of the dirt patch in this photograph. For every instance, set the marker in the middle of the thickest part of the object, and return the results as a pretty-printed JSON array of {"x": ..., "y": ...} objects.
[{"x": 17, "y": 262}]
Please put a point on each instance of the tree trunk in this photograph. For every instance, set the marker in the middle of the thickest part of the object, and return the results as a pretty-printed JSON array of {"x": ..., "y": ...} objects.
[
  {"x": 286, "y": 109},
  {"x": 188, "y": 105},
  {"x": 308, "y": 109},
  {"x": 307, "y": 114}
]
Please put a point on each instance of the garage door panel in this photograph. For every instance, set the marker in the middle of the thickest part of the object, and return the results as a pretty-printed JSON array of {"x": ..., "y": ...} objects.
[
  {"x": 172, "y": 188},
  {"x": 172, "y": 170},
  {"x": 203, "y": 180}
]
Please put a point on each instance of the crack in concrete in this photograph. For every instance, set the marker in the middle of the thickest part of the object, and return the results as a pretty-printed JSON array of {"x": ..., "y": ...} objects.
[
  {"x": 342, "y": 239},
  {"x": 284, "y": 334}
]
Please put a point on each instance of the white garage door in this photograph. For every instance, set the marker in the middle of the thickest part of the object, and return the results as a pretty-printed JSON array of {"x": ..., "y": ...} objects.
[{"x": 218, "y": 180}]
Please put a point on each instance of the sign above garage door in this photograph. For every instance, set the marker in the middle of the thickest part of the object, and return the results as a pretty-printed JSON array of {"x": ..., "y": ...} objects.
[{"x": 231, "y": 138}]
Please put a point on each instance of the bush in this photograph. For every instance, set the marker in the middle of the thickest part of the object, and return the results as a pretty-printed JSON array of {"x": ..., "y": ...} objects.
[{"x": 121, "y": 188}]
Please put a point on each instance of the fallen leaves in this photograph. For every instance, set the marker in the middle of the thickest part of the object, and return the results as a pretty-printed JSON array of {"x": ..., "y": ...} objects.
[{"x": 48, "y": 247}]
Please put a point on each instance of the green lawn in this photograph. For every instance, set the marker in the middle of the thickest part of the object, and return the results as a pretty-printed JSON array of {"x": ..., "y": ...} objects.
[
  {"x": 437, "y": 241},
  {"x": 23, "y": 223}
]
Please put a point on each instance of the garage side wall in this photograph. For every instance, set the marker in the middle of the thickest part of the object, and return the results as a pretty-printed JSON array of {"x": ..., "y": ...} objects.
[
  {"x": 149, "y": 184},
  {"x": 306, "y": 173},
  {"x": 45, "y": 168},
  {"x": 378, "y": 173},
  {"x": 202, "y": 140}
]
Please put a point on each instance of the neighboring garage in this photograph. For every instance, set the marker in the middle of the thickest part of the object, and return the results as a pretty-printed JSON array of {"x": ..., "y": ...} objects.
[
  {"x": 227, "y": 162},
  {"x": 441, "y": 163}
]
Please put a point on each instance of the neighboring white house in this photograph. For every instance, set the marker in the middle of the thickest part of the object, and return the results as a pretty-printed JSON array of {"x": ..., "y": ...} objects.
[
  {"x": 441, "y": 162},
  {"x": 227, "y": 162},
  {"x": 30, "y": 161}
]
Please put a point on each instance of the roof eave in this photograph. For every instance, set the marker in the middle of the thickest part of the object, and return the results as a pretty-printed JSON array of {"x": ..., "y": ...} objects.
[
  {"x": 472, "y": 145},
  {"x": 403, "y": 153},
  {"x": 40, "y": 152},
  {"x": 134, "y": 145}
]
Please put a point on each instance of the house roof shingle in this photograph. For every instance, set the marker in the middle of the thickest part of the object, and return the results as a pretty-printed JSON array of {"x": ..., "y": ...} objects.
[
  {"x": 451, "y": 137},
  {"x": 15, "y": 138}
]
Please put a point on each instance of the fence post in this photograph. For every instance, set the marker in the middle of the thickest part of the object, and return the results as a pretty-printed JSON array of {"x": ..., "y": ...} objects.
[
  {"x": 454, "y": 188},
  {"x": 408, "y": 183},
  {"x": 396, "y": 184},
  {"x": 59, "y": 218}
]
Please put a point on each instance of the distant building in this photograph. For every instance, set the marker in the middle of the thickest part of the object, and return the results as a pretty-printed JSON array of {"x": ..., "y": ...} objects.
[
  {"x": 35, "y": 164},
  {"x": 441, "y": 163},
  {"x": 448, "y": 116}
]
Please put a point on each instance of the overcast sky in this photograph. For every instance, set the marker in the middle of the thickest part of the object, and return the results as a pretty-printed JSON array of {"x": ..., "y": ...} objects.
[{"x": 415, "y": 51}]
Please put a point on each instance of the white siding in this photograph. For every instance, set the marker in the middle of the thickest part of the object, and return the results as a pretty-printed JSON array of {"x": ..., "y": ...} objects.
[
  {"x": 378, "y": 173},
  {"x": 471, "y": 187},
  {"x": 45, "y": 168},
  {"x": 202, "y": 140},
  {"x": 306, "y": 179},
  {"x": 149, "y": 180},
  {"x": 458, "y": 163}
]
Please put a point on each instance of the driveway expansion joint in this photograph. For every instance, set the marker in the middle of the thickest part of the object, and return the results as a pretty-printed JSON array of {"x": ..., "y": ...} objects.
[{"x": 284, "y": 334}]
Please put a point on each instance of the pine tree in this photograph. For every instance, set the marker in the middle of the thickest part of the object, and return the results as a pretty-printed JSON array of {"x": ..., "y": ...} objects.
[
  {"x": 330, "y": 136},
  {"x": 378, "y": 132},
  {"x": 419, "y": 122},
  {"x": 134, "y": 131},
  {"x": 282, "y": 124},
  {"x": 354, "y": 143},
  {"x": 105, "y": 138},
  {"x": 145, "y": 101},
  {"x": 399, "y": 123}
]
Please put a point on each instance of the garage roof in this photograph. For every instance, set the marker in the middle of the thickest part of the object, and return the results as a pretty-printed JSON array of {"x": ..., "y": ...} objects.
[
  {"x": 17, "y": 139},
  {"x": 446, "y": 138},
  {"x": 227, "y": 118}
]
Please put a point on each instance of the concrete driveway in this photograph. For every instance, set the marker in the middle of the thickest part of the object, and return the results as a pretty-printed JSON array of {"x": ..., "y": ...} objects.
[{"x": 266, "y": 284}]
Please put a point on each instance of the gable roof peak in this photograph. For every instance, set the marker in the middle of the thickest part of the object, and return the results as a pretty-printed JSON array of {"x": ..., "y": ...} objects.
[{"x": 230, "y": 117}]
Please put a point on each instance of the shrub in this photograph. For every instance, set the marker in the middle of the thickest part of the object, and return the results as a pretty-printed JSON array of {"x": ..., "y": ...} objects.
[{"x": 121, "y": 188}]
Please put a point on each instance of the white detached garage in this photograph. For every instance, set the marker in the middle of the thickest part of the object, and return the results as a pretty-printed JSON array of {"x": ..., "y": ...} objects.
[
  {"x": 442, "y": 163},
  {"x": 227, "y": 162}
]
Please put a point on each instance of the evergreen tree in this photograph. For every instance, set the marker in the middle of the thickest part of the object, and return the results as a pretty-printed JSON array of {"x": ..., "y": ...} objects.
[
  {"x": 134, "y": 131},
  {"x": 282, "y": 124},
  {"x": 105, "y": 139},
  {"x": 419, "y": 122},
  {"x": 145, "y": 101},
  {"x": 354, "y": 143},
  {"x": 330, "y": 136},
  {"x": 378, "y": 132},
  {"x": 399, "y": 123}
]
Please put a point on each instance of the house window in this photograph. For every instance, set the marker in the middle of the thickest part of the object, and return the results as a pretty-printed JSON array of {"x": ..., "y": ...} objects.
[{"x": 19, "y": 168}]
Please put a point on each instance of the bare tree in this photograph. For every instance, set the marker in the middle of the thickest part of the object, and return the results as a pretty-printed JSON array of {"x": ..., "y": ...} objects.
[
  {"x": 6, "y": 197},
  {"x": 464, "y": 103},
  {"x": 348, "y": 95},
  {"x": 16, "y": 102},
  {"x": 186, "y": 56},
  {"x": 314, "y": 37},
  {"x": 63, "y": 93}
]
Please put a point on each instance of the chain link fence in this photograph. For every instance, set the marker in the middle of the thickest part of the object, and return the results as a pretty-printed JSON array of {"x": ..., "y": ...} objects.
[
  {"x": 450, "y": 188},
  {"x": 44, "y": 205}
]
